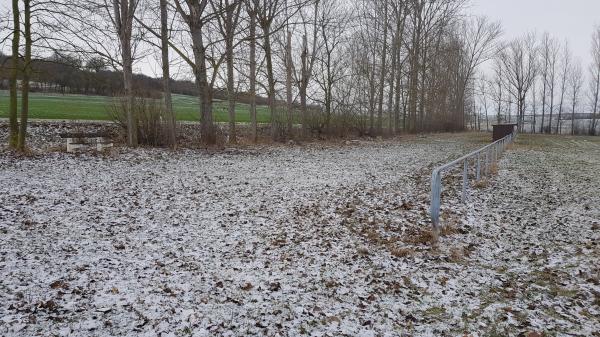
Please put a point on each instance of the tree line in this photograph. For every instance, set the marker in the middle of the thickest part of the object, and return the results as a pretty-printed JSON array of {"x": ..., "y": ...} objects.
[
  {"x": 67, "y": 74},
  {"x": 370, "y": 67},
  {"x": 537, "y": 83}
]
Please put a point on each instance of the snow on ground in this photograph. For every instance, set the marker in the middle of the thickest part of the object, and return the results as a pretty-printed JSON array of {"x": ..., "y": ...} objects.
[{"x": 319, "y": 239}]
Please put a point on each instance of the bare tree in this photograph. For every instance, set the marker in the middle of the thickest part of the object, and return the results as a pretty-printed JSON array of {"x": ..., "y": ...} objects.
[
  {"x": 520, "y": 63},
  {"x": 252, "y": 71},
  {"x": 228, "y": 15},
  {"x": 400, "y": 12},
  {"x": 266, "y": 12},
  {"x": 575, "y": 84},
  {"x": 594, "y": 89},
  {"x": 195, "y": 18},
  {"x": 564, "y": 78},
  {"x": 385, "y": 19},
  {"x": 483, "y": 89},
  {"x": 164, "y": 37},
  {"x": 479, "y": 38},
  {"x": 81, "y": 27},
  {"x": 14, "y": 71},
  {"x": 27, "y": 70},
  {"x": 549, "y": 50},
  {"x": 498, "y": 88},
  {"x": 308, "y": 56},
  {"x": 124, "y": 12}
]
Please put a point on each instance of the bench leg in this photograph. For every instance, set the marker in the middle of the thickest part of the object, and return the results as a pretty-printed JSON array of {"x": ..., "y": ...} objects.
[{"x": 102, "y": 144}]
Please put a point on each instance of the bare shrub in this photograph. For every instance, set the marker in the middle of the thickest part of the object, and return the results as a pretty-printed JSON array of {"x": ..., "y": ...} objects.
[
  {"x": 401, "y": 252},
  {"x": 149, "y": 116}
]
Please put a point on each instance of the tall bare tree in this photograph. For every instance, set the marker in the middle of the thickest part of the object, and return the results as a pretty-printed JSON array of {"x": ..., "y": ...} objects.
[
  {"x": 195, "y": 17},
  {"x": 384, "y": 67},
  {"x": 27, "y": 70},
  {"x": 228, "y": 16},
  {"x": 519, "y": 59},
  {"x": 575, "y": 85},
  {"x": 594, "y": 89},
  {"x": 164, "y": 37},
  {"x": 251, "y": 11},
  {"x": 564, "y": 79},
  {"x": 99, "y": 28},
  {"x": 14, "y": 72}
]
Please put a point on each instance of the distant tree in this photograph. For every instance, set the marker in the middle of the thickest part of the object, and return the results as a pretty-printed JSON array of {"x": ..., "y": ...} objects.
[
  {"x": 519, "y": 60},
  {"x": 549, "y": 55},
  {"x": 479, "y": 38},
  {"x": 332, "y": 25},
  {"x": 96, "y": 64},
  {"x": 594, "y": 89},
  {"x": 564, "y": 79},
  {"x": 575, "y": 84}
]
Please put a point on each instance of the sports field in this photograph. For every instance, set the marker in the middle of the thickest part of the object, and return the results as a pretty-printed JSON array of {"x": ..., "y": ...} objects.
[{"x": 82, "y": 107}]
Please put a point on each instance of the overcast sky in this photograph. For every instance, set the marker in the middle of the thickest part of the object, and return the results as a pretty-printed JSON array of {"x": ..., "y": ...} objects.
[{"x": 573, "y": 20}]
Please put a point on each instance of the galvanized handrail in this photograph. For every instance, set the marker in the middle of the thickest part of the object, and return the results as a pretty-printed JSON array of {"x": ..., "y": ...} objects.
[{"x": 492, "y": 154}]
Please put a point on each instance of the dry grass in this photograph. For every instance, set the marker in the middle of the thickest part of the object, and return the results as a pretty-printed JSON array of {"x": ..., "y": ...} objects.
[
  {"x": 494, "y": 169},
  {"x": 482, "y": 183},
  {"x": 401, "y": 252},
  {"x": 364, "y": 251},
  {"x": 424, "y": 237},
  {"x": 457, "y": 255},
  {"x": 449, "y": 229}
]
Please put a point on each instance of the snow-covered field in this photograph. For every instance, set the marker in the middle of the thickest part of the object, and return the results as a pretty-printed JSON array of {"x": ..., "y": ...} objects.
[{"x": 322, "y": 239}]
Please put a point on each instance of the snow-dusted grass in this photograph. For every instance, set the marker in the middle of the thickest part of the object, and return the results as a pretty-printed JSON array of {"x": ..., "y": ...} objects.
[{"x": 317, "y": 240}]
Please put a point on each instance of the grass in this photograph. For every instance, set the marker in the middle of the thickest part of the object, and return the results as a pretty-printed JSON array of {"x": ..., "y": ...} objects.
[{"x": 82, "y": 107}]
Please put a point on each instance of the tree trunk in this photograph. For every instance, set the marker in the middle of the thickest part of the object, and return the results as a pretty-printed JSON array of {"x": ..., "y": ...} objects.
[
  {"x": 171, "y": 120},
  {"x": 14, "y": 123},
  {"x": 543, "y": 102},
  {"x": 288, "y": 81},
  {"x": 372, "y": 99},
  {"x": 383, "y": 70},
  {"x": 26, "y": 76},
  {"x": 230, "y": 74},
  {"x": 573, "y": 113},
  {"x": 124, "y": 28},
  {"x": 303, "y": 86},
  {"x": 391, "y": 84},
  {"x": 560, "y": 108},
  {"x": 275, "y": 120},
  {"x": 551, "y": 107},
  {"x": 595, "y": 104},
  {"x": 207, "y": 130},
  {"x": 252, "y": 57}
]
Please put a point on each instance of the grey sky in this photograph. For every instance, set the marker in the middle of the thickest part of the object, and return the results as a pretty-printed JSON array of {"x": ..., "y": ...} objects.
[{"x": 573, "y": 20}]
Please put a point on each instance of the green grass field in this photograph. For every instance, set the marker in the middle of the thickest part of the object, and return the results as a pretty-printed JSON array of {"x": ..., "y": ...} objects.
[{"x": 81, "y": 107}]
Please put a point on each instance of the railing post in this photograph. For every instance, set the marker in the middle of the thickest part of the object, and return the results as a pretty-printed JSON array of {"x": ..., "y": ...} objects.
[
  {"x": 495, "y": 153},
  {"x": 487, "y": 162},
  {"x": 478, "y": 169},
  {"x": 465, "y": 180},
  {"x": 436, "y": 185}
]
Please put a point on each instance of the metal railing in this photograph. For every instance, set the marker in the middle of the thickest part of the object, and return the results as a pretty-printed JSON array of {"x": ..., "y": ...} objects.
[{"x": 483, "y": 160}]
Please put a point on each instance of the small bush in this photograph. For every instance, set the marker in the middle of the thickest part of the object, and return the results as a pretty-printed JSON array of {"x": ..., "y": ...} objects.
[{"x": 148, "y": 114}]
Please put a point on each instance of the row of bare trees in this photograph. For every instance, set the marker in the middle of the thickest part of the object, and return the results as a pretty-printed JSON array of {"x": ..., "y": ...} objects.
[
  {"x": 537, "y": 83},
  {"x": 327, "y": 67}
]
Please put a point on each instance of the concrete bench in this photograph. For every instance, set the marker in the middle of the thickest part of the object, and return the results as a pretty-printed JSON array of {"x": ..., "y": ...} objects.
[{"x": 82, "y": 141}]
